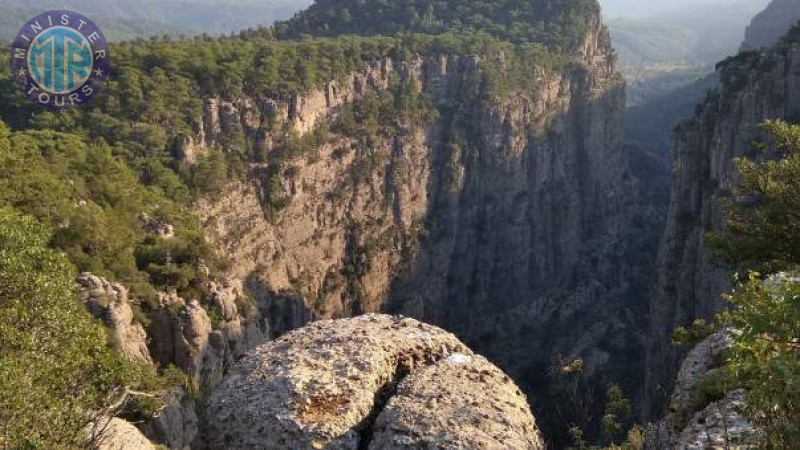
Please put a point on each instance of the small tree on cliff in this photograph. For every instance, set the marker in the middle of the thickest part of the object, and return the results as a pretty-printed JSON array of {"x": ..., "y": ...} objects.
[
  {"x": 762, "y": 231},
  {"x": 762, "y": 219}
]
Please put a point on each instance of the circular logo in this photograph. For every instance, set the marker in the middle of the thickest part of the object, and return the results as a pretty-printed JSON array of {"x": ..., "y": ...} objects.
[{"x": 60, "y": 60}]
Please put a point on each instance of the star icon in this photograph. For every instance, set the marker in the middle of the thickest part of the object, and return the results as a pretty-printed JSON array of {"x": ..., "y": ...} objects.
[
  {"x": 22, "y": 72},
  {"x": 98, "y": 72}
]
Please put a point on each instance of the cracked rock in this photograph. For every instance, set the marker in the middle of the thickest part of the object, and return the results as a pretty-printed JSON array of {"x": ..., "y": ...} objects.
[{"x": 374, "y": 381}]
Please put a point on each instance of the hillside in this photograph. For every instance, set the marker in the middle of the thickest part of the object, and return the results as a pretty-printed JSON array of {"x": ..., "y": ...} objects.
[
  {"x": 136, "y": 18},
  {"x": 556, "y": 22}
]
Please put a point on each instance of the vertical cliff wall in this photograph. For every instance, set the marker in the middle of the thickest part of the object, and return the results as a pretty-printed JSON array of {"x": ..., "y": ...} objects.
[
  {"x": 525, "y": 256},
  {"x": 755, "y": 87}
]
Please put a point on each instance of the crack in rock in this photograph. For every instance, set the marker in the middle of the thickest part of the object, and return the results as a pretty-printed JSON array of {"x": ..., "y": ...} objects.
[{"x": 382, "y": 397}]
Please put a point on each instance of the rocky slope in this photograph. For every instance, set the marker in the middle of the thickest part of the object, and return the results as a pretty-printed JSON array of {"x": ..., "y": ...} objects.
[
  {"x": 755, "y": 87},
  {"x": 768, "y": 27},
  {"x": 370, "y": 382}
]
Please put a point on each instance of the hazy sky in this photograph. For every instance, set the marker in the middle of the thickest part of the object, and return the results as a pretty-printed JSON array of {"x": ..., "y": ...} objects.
[{"x": 644, "y": 8}]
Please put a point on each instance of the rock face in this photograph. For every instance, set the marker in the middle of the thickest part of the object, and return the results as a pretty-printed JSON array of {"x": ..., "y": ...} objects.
[
  {"x": 175, "y": 426},
  {"x": 719, "y": 424},
  {"x": 755, "y": 87},
  {"x": 203, "y": 337},
  {"x": 768, "y": 27},
  {"x": 109, "y": 302},
  {"x": 369, "y": 382}
]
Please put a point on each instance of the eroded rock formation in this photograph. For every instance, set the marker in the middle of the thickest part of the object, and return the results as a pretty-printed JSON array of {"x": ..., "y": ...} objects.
[
  {"x": 118, "y": 434},
  {"x": 369, "y": 382},
  {"x": 110, "y": 303},
  {"x": 203, "y": 338}
]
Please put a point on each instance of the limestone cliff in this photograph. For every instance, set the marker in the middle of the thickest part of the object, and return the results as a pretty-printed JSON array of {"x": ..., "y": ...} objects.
[
  {"x": 506, "y": 220},
  {"x": 755, "y": 87},
  {"x": 768, "y": 27}
]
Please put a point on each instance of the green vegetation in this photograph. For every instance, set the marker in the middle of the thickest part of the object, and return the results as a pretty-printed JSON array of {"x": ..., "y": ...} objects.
[
  {"x": 556, "y": 23},
  {"x": 58, "y": 375},
  {"x": 765, "y": 358},
  {"x": 761, "y": 231},
  {"x": 690, "y": 336},
  {"x": 94, "y": 202}
]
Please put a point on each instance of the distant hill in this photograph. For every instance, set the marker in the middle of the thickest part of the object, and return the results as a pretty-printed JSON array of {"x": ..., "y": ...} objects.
[
  {"x": 129, "y": 18},
  {"x": 670, "y": 51},
  {"x": 12, "y": 19},
  {"x": 668, "y": 61},
  {"x": 614, "y": 9},
  {"x": 686, "y": 40}
]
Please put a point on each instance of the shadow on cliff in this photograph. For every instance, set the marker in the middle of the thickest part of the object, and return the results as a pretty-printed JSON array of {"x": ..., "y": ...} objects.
[
  {"x": 543, "y": 254},
  {"x": 283, "y": 311}
]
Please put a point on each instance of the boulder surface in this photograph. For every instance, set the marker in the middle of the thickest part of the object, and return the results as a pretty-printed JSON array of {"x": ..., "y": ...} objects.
[{"x": 374, "y": 381}]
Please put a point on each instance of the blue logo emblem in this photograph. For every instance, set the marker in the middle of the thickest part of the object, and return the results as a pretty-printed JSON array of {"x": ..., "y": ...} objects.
[{"x": 60, "y": 60}]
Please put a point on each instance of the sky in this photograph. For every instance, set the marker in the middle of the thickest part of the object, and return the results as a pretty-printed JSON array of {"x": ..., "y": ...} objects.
[{"x": 643, "y": 8}]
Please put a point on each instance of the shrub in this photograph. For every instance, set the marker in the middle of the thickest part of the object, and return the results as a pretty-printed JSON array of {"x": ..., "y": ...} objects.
[{"x": 58, "y": 375}]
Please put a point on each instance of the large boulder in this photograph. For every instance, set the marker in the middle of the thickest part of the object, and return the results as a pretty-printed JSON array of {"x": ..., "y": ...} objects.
[{"x": 373, "y": 381}]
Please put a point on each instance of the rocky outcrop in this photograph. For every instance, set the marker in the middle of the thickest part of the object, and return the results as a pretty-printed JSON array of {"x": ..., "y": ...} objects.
[
  {"x": 719, "y": 424},
  {"x": 109, "y": 302},
  {"x": 755, "y": 87},
  {"x": 204, "y": 340},
  {"x": 768, "y": 27},
  {"x": 368, "y": 382},
  {"x": 203, "y": 337},
  {"x": 117, "y": 434},
  {"x": 225, "y": 123},
  {"x": 462, "y": 401},
  {"x": 156, "y": 226}
]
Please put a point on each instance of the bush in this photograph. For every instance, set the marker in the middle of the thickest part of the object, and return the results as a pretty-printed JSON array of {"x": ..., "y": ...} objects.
[
  {"x": 765, "y": 357},
  {"x": 57, "y": 372}
]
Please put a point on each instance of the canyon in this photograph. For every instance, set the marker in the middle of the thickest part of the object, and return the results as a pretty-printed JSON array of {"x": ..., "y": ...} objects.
[{"x": 435, "y": 233}]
